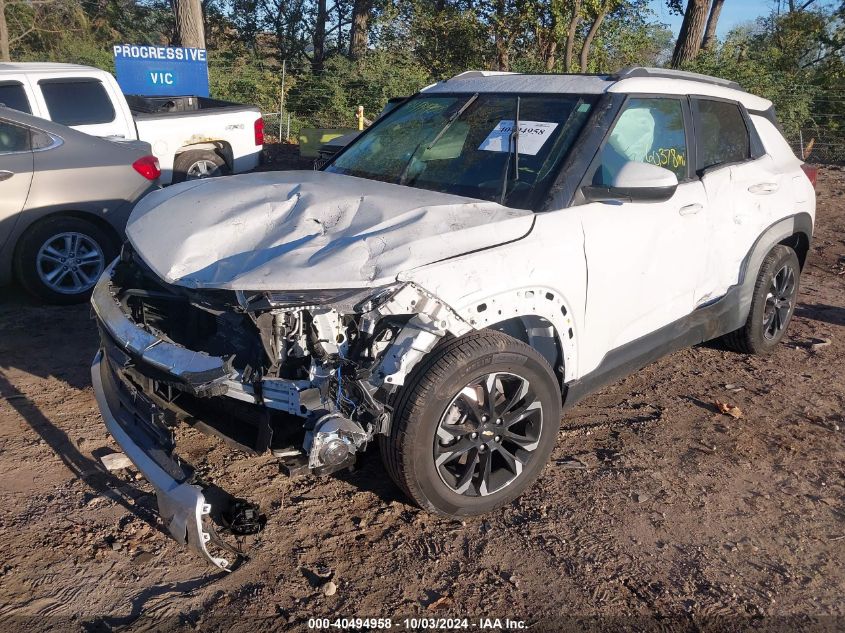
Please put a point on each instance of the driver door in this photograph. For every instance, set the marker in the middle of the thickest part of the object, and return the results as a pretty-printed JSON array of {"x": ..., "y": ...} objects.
[
  {"x": 15, "y": 175},
  {"x": 644, "y": 259}
]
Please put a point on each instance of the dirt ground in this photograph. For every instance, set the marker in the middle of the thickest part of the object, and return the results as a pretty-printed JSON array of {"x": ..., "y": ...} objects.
[{"x": 656, "y": 513}]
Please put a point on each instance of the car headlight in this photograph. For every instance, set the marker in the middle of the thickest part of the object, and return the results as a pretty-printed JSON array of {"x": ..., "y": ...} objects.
[{"x": 342, "y": 299}]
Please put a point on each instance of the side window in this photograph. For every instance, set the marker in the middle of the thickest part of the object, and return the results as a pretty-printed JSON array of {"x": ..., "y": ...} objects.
[
  {"x": 720, "y": 133},
  {"x": 647, "y": 131},
  {"x": 12, "y": 95},
  {"x": 13, "y": 138},
  {"x": 77, "y": 101}
]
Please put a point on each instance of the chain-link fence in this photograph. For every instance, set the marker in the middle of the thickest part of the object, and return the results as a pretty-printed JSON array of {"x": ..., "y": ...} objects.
[{"x": 821, "y": 138}]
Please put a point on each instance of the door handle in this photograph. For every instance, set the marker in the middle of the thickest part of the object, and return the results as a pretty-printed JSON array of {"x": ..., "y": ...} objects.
[
  {"x": 763, "y": 188},
  {"x": 690, "y": 209},
  {"x": 5, "y": 175}
]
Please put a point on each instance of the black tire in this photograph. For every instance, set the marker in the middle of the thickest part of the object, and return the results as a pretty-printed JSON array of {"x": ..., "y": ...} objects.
[
  {"x": 756, "y": 336},
  {"x": 28, "y": 258},
  {"x": 408, "y": 451},
  {"x": 186, "y": 164}
]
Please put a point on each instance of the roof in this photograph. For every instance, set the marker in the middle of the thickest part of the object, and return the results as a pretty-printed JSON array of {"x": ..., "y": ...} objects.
[
  {"x": 41, "y": 67},
  {"x": 636, "y": 79}
]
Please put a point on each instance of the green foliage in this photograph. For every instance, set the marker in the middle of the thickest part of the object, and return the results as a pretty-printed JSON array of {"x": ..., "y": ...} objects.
[
  {"x": 784, "y": 58},
  {"x": 329, "y": 98}
]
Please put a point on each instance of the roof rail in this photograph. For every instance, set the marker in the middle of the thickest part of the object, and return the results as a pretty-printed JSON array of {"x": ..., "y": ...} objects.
[
  {"x": 474, "y": 74},
  {"x": 668, "y": 73}
]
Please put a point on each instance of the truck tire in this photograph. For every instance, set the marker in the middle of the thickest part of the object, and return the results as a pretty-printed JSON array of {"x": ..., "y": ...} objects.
[
  {"x": 474, "y": 425},
  {"x": 58, "y": 260},
  {"x": 772, "y": 305},
  {"x": 198, "y": 163}
]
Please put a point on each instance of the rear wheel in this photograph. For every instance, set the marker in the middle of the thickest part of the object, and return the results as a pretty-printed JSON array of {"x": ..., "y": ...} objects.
[
  {"x": 60, "y": 259},
  {"x": 772, "y": 306},
  {"x": 474, "y": 425},
  {"x": 198, "y": 163}
]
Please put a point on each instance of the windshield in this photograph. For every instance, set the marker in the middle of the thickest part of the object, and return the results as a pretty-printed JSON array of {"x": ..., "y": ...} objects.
[{"x": 466, "y": 145}]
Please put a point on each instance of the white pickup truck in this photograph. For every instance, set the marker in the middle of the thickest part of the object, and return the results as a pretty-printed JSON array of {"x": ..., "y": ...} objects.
[{"x": 192, "y": 137}]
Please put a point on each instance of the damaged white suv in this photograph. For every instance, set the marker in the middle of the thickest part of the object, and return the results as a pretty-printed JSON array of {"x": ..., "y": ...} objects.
[{"x": 491, "y": 251}]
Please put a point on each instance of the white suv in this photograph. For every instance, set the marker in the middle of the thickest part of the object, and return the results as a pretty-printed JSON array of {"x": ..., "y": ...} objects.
[{"x": 484, "y": 256}]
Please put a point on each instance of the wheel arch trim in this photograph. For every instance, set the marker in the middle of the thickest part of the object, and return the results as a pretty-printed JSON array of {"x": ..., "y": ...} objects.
[{"x": 798, "y": 226}]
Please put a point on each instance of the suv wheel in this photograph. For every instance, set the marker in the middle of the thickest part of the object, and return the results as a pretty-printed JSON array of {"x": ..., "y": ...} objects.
[
  {"x": 474, "y": 425},
  {"x": 772, "y": 306},
  {"x": 60, "y": 259},
  {"x": 198, "y": 163}
]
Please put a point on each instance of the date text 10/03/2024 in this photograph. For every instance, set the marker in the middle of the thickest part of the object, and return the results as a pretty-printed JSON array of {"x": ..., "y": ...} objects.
[{"x": 416, "y": 624}]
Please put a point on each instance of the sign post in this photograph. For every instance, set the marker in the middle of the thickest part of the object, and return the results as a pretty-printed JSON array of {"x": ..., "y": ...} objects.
[{"x": 165, "y": 71}]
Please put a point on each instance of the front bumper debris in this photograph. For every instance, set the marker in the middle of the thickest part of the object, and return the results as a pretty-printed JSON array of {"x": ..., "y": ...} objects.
[
  {"x": 197, "y": 373},
  {"x": 181, "y": 504}
]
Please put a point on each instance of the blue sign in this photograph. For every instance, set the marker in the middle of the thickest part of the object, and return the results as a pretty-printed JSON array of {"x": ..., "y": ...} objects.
[{"x": 166, "y": 71}]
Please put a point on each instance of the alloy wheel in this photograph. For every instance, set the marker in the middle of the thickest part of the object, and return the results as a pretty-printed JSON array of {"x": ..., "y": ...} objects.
[
  {"x": 779, "y": 302},
  {"x": 70, "y": 263},
  {"x": 203, "y": 169},
  {"x": 488, "y": 434}
]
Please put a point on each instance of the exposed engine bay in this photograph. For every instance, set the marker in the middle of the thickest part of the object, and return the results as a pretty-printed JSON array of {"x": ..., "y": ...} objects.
[{"x": 308, "y": 374}]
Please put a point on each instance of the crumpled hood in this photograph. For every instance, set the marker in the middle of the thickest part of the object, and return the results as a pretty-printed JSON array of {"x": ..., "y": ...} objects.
[{"x": 297, "y": 230}]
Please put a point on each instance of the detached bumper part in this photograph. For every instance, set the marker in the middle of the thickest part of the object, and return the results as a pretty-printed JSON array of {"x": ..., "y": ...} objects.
[
  {"x": 197, "y": 373},
  {"x": 182, "y": 506}
]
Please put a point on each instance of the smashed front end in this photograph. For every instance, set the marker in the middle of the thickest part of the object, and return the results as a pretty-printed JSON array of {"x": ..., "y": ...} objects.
[{"x": 305, "y": 374}]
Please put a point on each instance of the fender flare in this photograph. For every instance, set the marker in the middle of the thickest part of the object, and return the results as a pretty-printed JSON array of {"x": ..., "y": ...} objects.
[{"x": 775, "y": 234}]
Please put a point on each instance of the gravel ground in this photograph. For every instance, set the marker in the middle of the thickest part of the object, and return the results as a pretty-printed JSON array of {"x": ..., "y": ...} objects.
[{"x": 656, "y": 513}]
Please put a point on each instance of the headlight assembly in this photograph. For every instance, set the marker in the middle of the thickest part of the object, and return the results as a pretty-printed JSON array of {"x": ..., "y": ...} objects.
[{"x": 341, "y": 299}]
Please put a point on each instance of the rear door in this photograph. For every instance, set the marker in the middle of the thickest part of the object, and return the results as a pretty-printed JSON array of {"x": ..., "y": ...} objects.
[
  {"x": 743, "y": 189},
  {"x": 15, "y": 175},
  {"x": 644, "y": 260}
]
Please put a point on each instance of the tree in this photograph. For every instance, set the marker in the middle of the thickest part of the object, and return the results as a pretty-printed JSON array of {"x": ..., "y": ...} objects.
[
  {"x": 712, "y": 21},
  {"x": 692, "y": 29},
  {"x": 319, "y": 37},
  {"x": 574, "y": 21},
  {"x": 190, "y": 30},
  {"x": 359, "y": 33},
  {"x": 600, "y": 11},
  {"x": 4, "y": 34},
  {"x": 29, "y": 20}
]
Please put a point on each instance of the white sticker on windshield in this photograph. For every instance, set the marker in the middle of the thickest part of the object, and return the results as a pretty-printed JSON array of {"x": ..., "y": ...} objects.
[{"x": 532, "y": 136}]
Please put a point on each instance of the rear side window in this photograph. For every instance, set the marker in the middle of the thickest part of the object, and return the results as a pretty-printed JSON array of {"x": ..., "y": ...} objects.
[
  {"x": 647, "y": 131},
  {"x": 77, "y": 101},
  {"x": 12, "y": 95},
  {"x": 13, "y": 138},
  {"x": 720, "y": 133}
]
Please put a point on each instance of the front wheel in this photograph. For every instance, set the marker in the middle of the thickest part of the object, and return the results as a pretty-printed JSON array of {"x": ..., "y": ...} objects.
[{"x": 474, "y": 425}]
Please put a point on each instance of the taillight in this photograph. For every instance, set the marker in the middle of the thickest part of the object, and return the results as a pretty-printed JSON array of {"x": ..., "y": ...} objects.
[
  {"x": 811, "y": 173},
  {"x": 259, "y": 131},
  {"x": 148, "y": 167}
]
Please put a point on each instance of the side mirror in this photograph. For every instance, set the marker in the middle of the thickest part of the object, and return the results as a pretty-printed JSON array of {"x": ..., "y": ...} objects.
[{"x": 636, "y": 182}]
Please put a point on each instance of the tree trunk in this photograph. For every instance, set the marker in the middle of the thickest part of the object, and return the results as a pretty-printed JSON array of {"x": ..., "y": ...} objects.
[
  {"x": 4, "y": 34},
  {"x": 570, "y": 36},
  {"x": 359, "y": 32},
  {"x": 692, "y": 28},
  {"x": 190, "y": 30},
  {"x": 319, "y": 38},
  {"x": 588, "y": 41},
  {"x": 551, "y": 55},
  {"x": 712, "y": 21}
]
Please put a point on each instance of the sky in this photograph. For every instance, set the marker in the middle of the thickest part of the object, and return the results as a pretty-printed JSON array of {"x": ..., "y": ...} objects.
[{"x": 734, "y": 12}]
